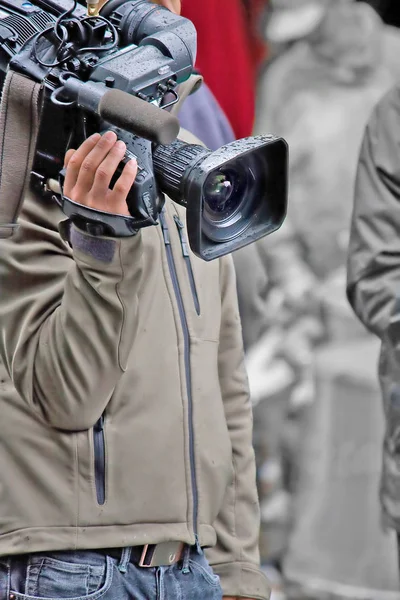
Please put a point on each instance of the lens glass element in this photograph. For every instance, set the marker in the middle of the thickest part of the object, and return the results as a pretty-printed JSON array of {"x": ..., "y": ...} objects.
[
  {"x": 223, "y": 191},
  {"x": 219, "y": 193},
  {"x": 227, "y": 200}
]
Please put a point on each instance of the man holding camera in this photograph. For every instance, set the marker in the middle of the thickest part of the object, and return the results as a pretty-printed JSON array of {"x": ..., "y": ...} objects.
[{"x": 126, "y": 430}]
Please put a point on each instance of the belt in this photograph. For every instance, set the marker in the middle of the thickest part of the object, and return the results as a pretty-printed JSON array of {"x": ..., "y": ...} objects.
[{"x": 150, "y": 555}]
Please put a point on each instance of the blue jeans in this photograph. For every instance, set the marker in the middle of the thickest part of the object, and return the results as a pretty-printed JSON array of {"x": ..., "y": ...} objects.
[{"x": 87, "y": 575}]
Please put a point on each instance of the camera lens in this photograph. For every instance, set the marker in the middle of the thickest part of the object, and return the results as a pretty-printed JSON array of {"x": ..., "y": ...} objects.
[
  {"x": 223, "y": 193},
  {"x": 230, "y": 197},
  {"x": 233, "y": 196}
]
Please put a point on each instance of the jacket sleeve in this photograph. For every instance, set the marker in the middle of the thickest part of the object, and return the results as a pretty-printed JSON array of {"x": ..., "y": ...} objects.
[
  {"x": 235, "y": 558},
  {"x": 67, "y": 315},
  {"x": 373, "y": 285}
]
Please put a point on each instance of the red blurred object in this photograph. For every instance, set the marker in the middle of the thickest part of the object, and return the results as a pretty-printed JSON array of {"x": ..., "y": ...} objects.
[
  {"x": 229, "y": 54},
  {"x": 255, "y": 11}
]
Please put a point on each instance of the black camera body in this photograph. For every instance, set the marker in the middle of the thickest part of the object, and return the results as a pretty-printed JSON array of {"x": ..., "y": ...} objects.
[{"x": 122, "y": 70}]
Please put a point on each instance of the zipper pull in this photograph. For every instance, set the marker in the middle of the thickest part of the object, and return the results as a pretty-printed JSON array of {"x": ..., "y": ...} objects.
[
  {"x": 181, "y": 227},
  {"x": 164, "y": 228},
  {"x": 99, "y": 426},
  {"x": 197, "y": 543}
]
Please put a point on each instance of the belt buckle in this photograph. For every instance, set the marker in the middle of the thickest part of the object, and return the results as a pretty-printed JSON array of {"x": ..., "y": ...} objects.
[{"x": 160, "y": 555}]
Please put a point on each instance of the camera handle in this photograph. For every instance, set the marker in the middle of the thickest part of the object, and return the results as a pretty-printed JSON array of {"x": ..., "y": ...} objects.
[{"x": 98, "y": 222}]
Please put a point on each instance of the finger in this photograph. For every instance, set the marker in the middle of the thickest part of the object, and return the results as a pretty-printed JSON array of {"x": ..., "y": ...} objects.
[
  {"x": 68, "y": 155},
  {"x": 75, "y": 162},
  {"x": 172, "y": 5},
  {"x": 122, "y": 187},
  {"x": 92, "y": 161},
  {"x": 107, "y": 168}
]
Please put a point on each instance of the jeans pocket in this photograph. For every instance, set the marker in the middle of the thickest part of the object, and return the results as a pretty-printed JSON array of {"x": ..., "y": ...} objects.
[
  {"x": 201, "y": 567},
  {"x": 49, "y": 578}
]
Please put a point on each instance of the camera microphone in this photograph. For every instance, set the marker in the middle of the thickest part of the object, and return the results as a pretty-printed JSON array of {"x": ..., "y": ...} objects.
[{"x": 124, "y": 110}]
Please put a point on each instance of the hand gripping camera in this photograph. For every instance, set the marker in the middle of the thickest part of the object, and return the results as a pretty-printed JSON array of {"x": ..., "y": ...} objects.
[{"x": 121, "y": 70}]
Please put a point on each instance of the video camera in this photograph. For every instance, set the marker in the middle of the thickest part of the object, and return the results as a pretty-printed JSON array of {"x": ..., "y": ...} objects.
[{"x": 121, "y": 70}]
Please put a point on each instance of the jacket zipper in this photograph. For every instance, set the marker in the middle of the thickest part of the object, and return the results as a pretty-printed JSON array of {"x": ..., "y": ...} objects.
[
  {"x": 99, "y": 447},
  {"x": 186, "y": 257},
  {"x": 179, "y": 299}
]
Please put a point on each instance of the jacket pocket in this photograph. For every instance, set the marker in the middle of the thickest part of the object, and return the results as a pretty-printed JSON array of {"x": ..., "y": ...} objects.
[
  {"x": 186, "y": 257},
  {"x": 99, "y": 448}
]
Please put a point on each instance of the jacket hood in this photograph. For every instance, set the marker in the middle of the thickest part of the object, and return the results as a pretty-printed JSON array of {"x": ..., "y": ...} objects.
[
  {"x": 349, "y": 40},
  {"x": 290, "y": 22}
]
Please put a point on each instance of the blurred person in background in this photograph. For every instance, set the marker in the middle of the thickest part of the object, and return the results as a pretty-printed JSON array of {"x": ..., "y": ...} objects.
[
  {"x": 323, "y": 87},
  {"x": 318, "y": 94},
  {"x": 374, "y": 274}
]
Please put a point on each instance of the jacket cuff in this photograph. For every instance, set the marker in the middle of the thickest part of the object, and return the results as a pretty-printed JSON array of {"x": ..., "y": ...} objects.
[
  {"x": 243, "y": 580},
  {"x": 97, "y": 249}
]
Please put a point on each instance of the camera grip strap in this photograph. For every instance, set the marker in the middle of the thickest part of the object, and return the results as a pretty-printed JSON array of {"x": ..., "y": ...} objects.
[{"x": 19, "y": 124}]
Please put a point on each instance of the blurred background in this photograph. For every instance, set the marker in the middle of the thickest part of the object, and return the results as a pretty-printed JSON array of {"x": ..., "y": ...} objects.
[{"x": 309, "y": 71}]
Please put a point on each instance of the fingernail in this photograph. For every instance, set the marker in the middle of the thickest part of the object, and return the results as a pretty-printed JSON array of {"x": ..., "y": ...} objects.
[
  {"x": 121, "y": 145},
  {"x": 110, "y": 135},
  {"x": 132, "y": 163},
  {"x": 94, "y": 136}
]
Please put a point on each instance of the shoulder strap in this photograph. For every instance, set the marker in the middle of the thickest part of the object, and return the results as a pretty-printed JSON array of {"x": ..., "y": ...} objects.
[{"x": 19, "y": 123}]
